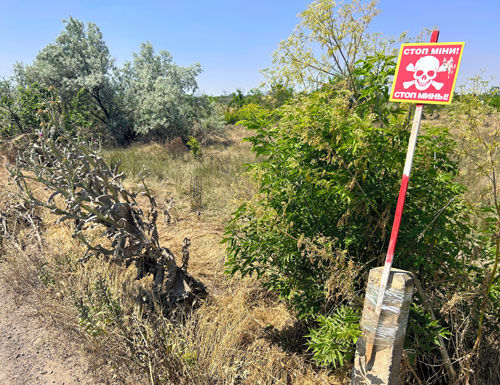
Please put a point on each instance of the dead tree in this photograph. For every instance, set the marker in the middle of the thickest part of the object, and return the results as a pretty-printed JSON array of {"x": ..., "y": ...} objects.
[{"x": 85, "y": 190}]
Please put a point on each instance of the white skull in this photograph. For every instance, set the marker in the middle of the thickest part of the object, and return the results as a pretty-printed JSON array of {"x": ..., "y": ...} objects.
[{"x": 426, "y": 70}]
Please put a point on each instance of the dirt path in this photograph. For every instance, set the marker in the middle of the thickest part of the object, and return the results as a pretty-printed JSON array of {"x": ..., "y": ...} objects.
[{"x": 31, "y": 353}]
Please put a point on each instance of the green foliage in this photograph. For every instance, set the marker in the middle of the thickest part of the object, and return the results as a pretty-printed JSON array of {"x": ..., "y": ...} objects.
[
  {"x": 278, "y": 95},
  {"x": 237, "y": 99},
  {"x": 254, "y": 116},
  {"x": 493, "y": 98},
  {"x": 26, "y": 109},
  {"x": 231, "y": 116},
  {"x": 78, "y": 114},
  {"x": 98, "y": 309},
  {"x": 332, "y": 342},
  {"x": 159, "y": 94},
  {"x": 195, "y": 147},
  {"x": 328, "y": 181},
  {"x": 326, "y": 44},
  {"x": 150, "y": 96},
  {"x": 373, "y": 77},
  {"x": 423, "y": 332},
  {"x": 78, "y": 60},
  {"x": 274, "y": 97},
  {"x": 21, "y": 108}
]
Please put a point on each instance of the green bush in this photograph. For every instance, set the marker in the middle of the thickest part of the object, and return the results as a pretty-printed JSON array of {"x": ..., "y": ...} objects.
[
  {"x": 23, "y": 108},
  {"x": 195, "y": 147},
  {"x": 321, "y": 219},
  {"x": 328, "y": 186},
  {"x": 232, "y": 116},
  {"x": 493, "y": 97},
  {"x": 332, "y": 343}
]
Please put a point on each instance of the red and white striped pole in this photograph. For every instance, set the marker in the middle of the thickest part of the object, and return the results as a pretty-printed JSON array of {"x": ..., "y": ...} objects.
[{"x": 397, "y": 218}]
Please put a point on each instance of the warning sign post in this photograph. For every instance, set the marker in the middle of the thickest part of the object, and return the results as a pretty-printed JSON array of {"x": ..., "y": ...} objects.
[{"x": 426, "y": 73}]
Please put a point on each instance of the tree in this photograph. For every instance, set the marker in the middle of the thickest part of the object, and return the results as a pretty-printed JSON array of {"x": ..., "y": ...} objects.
[
  {"x": 78, "y": 60},
  {"x": 327, "y": 46},
  {"x": 152, "y": 95},
  {"x": 159, "y": 95}
]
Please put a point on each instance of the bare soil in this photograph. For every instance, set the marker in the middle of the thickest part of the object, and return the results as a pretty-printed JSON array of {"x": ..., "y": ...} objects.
[{"x": 31, "y": 353}]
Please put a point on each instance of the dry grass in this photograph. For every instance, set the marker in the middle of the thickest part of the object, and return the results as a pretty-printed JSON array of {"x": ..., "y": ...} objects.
[
  {"x": 240, "y": 335},
  {"x": 170, "y": 174}
]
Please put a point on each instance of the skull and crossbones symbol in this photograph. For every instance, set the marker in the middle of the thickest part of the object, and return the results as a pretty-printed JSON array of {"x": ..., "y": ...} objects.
[{"x": 425, "y": 71}]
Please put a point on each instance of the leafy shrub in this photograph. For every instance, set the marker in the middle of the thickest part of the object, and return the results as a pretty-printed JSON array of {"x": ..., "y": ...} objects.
[
  {"x": 494, "y": 98},
  {"x": 332, "y": 343},
  {"x": 373, "y": 75},
  {"x": 195, "y": 147},
  {"x": 232, "y": 116},
  {"x": 423, "y": 332},
  {"x": 275, "y": 96},
  {"x": 321, "y": 218},
  {"x": 22, "y": 108},
  {"x": 328, "y": 182}
]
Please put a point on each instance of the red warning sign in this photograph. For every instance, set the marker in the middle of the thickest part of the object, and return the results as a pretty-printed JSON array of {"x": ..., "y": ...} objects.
[{"x": 426, "y": 72}]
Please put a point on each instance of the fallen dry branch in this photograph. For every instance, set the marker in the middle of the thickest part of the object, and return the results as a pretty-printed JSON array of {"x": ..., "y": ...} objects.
[{"x": 86, "y": 191}]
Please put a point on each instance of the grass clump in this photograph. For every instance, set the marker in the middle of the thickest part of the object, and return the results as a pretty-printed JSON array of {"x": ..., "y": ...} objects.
[{"x": 170, "y": 174}]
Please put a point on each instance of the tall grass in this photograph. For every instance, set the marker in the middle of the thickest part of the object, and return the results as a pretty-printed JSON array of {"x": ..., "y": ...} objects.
[{"x": 170, "y": 174}]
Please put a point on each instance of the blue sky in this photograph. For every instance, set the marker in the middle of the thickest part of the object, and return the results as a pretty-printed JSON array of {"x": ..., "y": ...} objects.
[{"x": 234, "y": 40}]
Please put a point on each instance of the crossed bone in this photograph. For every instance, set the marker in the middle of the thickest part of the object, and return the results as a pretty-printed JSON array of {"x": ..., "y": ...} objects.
[{"x": 445, "y": 67}]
